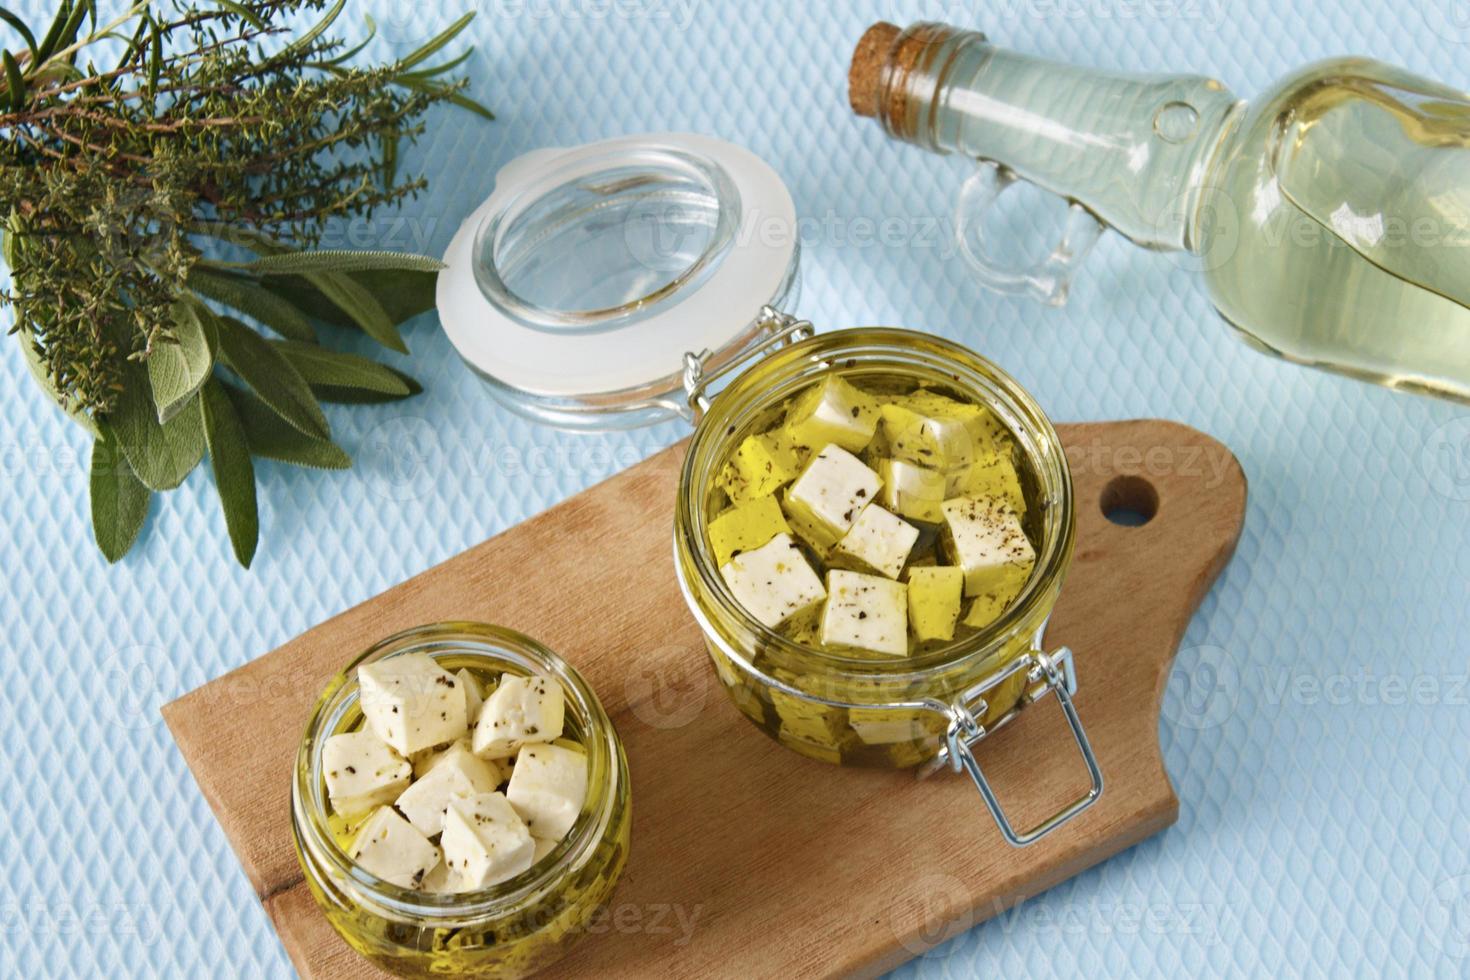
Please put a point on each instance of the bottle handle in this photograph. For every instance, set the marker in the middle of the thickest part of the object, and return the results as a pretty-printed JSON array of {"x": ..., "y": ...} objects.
[{"x": 1048, "y": 280}]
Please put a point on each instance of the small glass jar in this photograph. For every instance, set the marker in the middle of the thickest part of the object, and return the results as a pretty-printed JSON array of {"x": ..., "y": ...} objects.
[
  {"x": 573, "y": 292},
  {"x": 513, "y": 928}
]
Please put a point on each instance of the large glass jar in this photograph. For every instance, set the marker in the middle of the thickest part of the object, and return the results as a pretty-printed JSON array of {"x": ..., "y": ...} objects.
[
  {"x": 884, "y": 712},
  {"x": 510, "y": 929}
]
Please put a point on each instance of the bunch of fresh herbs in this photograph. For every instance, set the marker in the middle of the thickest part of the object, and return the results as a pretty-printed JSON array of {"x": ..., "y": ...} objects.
[{"x": 135, "y": 153}]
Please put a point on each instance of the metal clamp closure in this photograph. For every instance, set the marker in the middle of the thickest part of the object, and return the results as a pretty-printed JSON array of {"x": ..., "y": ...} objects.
[
  {"x": 1048, "y": 673},
  {"x": 781, "y": 329}
]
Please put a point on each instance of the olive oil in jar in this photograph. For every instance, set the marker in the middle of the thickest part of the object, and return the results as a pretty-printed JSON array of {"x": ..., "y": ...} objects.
[{"x": 871, "y": 517}]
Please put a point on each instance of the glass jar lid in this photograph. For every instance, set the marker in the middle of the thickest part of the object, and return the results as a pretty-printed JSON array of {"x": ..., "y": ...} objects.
[{"x": 575, "y": 290}]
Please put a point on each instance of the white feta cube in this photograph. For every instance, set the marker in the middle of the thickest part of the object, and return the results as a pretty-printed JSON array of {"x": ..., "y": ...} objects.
[
  {"x": 456, "y": 774},
  {"x": 547, "y": 788},
  {"x": 474, "y": 697},
  {"x": 878, "y": 541},
  {"x": 362, "y": 772},
  {"x": 428, "y": 758},
  {"x": 985, "y": 539},
  {"x": 411, "y": 702},
  {"x": 391, "y": 848},
  {"x": 774, "y": 582},
  {"x": 866, "y": 612},
  {"x": 518, "y": 711},
  {"x": 485, "y": 841},
  {"x": 829, "y": 495}
]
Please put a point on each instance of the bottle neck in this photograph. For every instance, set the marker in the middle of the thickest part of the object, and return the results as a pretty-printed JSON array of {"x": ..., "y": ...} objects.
[{"x": 1133, "y": 149}]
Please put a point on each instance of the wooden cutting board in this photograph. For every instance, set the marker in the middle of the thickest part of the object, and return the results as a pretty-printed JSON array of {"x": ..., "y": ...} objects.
[{"x": 747, "y": 859}]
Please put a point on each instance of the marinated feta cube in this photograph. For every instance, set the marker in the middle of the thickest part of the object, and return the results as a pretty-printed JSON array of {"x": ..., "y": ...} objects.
[
  {"x": 807, "y": 721},
  {"x": 911, "y": 490},
  {"x": 391, "y": 848},
  {"x": 411, "y": 702},
  {"x": 456, "y": 774},
  {"x": 829, "y": 495},
  {"x": 987, "y": 430},
  {"x": 485, "y": 841},
  {"x": 474, "y": 695},
  {"x": 440, "y": 880},
  {"x": 804, "y": 629},
  {"x": 362, "y": 772},
  {"x": 760, "y": 466},
  {"x": 988, "y": 605},
  {"x": 878, "y": 542},
  {"x": 991, "y": 475},
  {"x": 833, "y": 412},
  {"x": 934, "y": 601},
  {"x": 344, "y": 827},
  {"x": 984, "y": 538},
  {"x": 933, "y": 431},
  {"x": 774, "y": 582},
  {"x": 518, "y": 711},
  {"x": 879, "y": 726},
  {"x": 547, "y": 788},
  {"x": 865, "y": 612},
  {"x": 746, "y": 527}
]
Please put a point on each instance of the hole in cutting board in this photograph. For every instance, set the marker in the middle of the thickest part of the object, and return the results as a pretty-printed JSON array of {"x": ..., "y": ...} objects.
[{"x": 1130, "y": 501}]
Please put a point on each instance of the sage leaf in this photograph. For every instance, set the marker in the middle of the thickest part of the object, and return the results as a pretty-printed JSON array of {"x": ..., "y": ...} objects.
[
  {"x": 340, "y": 260},
  {"x": 320, "y": 366},
  {"x": 253, "y": 300},
  {"x": 176, "y": 371},
  {"x": 402, "y": 294},
  {"x": 234, "y": 473},
  {"x": 119, "y": 499},
  {"x": 362, "y": 396},
  {"x": 359, "y": 303},
  {"x": 161, "y": 454},
  {"x": 272, "y": 375},
  {"x": 270, "y": 437}
]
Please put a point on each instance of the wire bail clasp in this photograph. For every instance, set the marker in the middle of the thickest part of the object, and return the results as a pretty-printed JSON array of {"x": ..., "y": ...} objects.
[
  {"x": 780, "y": 329},
  {"x": 1049, "y": 673}
]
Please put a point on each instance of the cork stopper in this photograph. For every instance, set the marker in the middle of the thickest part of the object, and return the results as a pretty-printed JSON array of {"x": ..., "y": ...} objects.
[
  {"x": 886, "y": 65},
  {"x": 865, "y": 75}
]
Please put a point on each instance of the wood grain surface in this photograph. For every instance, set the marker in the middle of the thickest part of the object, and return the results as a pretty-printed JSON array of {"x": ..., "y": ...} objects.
[{"x": 747, "y": 859}]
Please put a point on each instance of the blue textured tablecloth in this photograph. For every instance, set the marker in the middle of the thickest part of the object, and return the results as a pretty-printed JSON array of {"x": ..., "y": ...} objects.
[{"x": 1317, "y": 720}]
